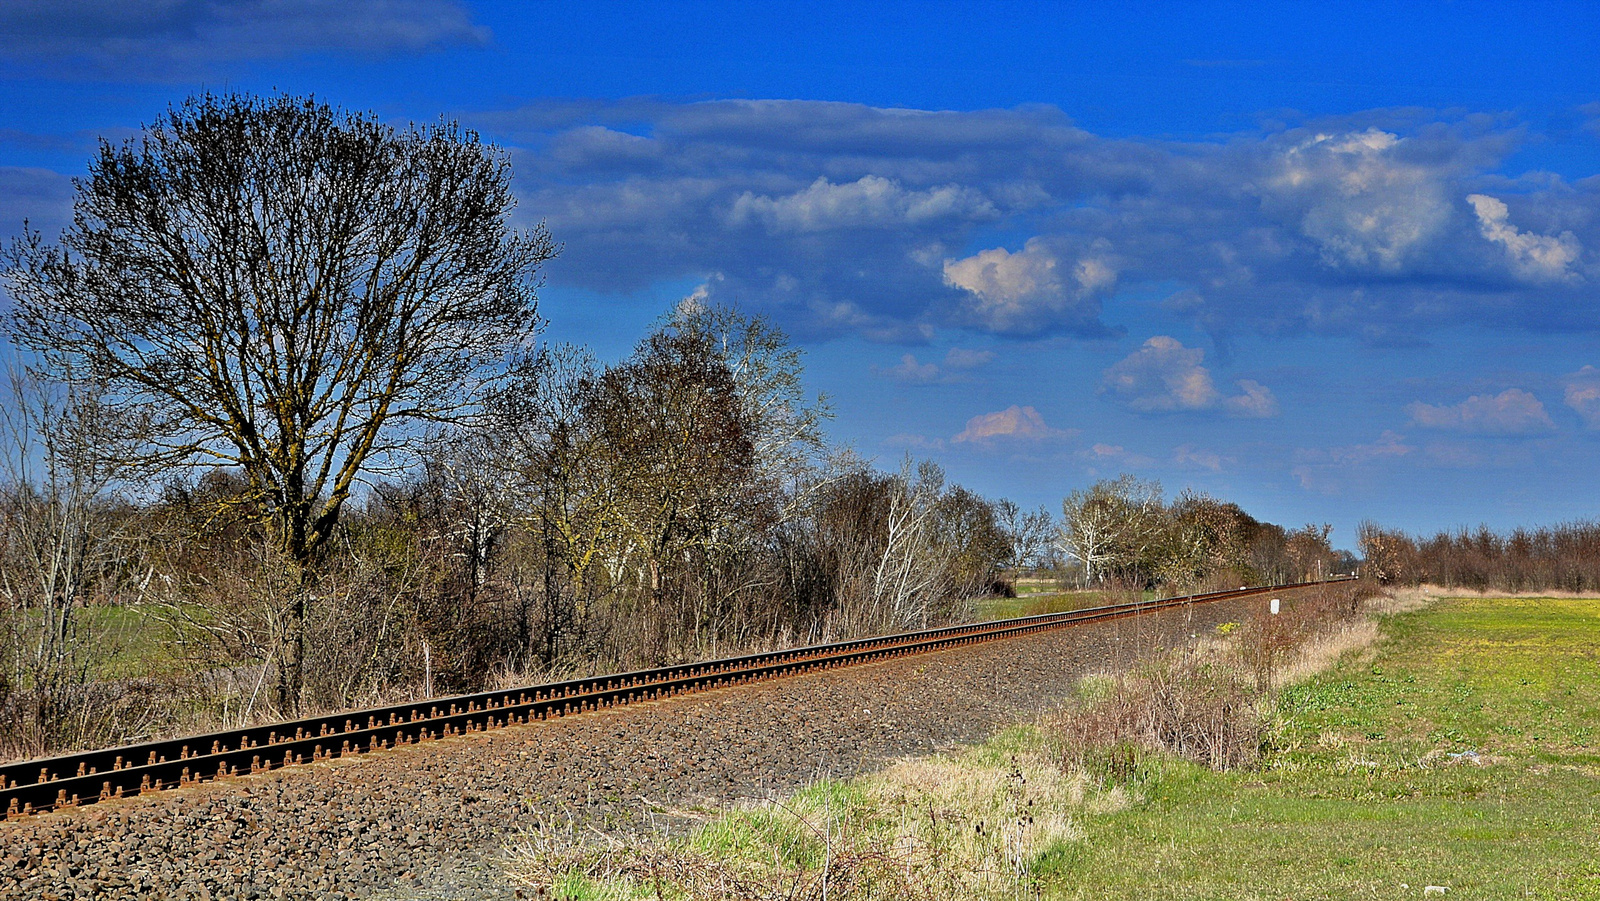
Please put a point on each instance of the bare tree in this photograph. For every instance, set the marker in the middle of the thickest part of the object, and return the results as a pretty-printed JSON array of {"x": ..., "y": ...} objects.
[
  {"x": 974, "y": 544},
  {"x": 556, "y": 472},
  {"x": 659, "y": 478},
  {"x": 1388, "y": 556},
  {"x": 279, "y": 287},
  {"x": 909, "y": 573},
  {"x": 784, "y": 426},
  {"x": 61, "y": 547},
  {"x": 1311, "y": 551},
  {"x": 1202, "y": 537},
  {"x": 1110, "y": 526},
  {"x": 1029, "y": 532}
]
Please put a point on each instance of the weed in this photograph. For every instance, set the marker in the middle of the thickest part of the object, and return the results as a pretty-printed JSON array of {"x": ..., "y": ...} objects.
[{"x": 990, "y": 823}]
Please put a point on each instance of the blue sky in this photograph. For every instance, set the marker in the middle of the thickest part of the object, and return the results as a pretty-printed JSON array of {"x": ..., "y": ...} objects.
[{"x": 1332, "y": 261}]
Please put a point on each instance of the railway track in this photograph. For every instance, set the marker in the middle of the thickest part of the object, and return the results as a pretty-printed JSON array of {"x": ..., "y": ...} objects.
[{"x": 35, "y": 786}]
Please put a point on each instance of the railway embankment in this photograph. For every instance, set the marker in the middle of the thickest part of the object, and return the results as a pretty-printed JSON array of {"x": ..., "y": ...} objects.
[{"x": 429, "y": 820}]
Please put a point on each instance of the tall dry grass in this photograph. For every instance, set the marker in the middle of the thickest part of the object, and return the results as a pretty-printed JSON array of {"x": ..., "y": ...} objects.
[
  {"x": 1213, "y": 703},
  {"x": 974, "y": 825}
]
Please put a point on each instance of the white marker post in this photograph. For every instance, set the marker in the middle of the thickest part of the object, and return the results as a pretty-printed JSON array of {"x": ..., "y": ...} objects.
[{"x": 1274, "y": 607}]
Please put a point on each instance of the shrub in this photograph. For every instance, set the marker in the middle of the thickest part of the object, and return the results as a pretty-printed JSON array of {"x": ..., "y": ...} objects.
[
  {"x": 1197, "y": 706},
  {"x": 1211, "y": 704}
]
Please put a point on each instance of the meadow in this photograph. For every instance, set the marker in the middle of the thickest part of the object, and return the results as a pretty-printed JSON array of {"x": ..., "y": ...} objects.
[{"x": 1462, "y": 751}]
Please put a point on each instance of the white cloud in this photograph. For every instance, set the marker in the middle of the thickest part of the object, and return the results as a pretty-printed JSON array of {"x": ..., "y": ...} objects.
[
  {"x": 1257, "y": 401},
  {"x": 910, "y": 370},
  {"x": 1583, "y": 395},
  {"x": 1511, "y": 412},
  {"x": 699, "y": 299},
  {"x": 1013, "y": 423},
  {"x": 1188, "y": 456},
  {"x": 839, "y": 218},
  {"x": 1024, "y": 291},
  {"x": 869, "y": 202},
  {"x": 1359, "y": 199},
  {"x": 958, "y": 362},
  {"x": 1537, "y": 258},
  {"x": 1163, "y": 376}
]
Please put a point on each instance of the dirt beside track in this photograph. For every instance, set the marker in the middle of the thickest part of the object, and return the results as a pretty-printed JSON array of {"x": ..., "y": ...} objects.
[{"x": 428, "y": 821}]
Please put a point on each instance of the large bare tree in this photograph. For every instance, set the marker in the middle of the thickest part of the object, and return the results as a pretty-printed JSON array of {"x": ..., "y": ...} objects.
[
  {"x": 1110, "y": 526},
  {"x": 278, "y": 286}
]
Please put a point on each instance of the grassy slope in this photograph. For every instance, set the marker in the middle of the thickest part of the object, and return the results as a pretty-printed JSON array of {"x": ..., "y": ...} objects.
[{"x": 1347, "y": 809}]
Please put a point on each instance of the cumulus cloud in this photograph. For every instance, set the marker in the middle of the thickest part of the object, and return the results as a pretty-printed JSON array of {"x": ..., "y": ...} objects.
[
  {"x": 1537, "y": 258},
  {"x": 1256, "y": 401},
  {"x": 839, "y": 218},
  {"x": 1024, "y": 292},
  {"x": 843, "y": 219},
  {"x": 1511, "y": 412},
  {"x": 910, "y": 370},
  {"x": 167, "y": 39},
  {"x": 1011, "y": 424},
  {"x": 1360, "y": 199},
  {"x": 1163, "y": 376},
  {"x": 1583, "y": 395},
  {"x": 1002, "y": 275},
  {"x": 958, "y": 363}
]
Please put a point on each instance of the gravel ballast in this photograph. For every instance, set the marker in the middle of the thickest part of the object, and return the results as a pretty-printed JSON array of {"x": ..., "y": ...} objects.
[{"x": 428, "y": 821}]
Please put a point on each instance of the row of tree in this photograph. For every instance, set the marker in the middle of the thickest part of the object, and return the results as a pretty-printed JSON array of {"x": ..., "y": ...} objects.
[
  {"x": 1124, "y": 531},
  {"x": 1565, "y": 557},
  {"x": 679, "y": 503}
]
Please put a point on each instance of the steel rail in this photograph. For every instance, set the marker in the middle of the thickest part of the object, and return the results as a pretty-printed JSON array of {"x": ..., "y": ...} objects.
[{"x": 71, "y": 780}]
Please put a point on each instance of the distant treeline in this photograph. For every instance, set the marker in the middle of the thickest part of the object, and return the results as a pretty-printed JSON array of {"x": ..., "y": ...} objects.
[
  {"x": 678, "y": 504},
  {"x": 1564, "y": 557},
  {"x": 1123, "y": 531}
]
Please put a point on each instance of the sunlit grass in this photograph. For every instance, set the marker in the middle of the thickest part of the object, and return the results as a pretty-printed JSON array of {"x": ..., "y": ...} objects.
[
  {"x": 1458, "y": 751},
  {"x": 121, "y": 642}
]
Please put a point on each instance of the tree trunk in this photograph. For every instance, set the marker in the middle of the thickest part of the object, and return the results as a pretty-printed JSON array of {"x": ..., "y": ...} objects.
[{"x": 291, "y": 670}]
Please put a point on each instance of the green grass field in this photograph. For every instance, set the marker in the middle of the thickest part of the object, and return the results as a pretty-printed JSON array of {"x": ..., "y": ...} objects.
[
  {"x": 1363, "y": 798},
  {"x": 1459, "y": 752},
  {"x": 121, "y": 642}
]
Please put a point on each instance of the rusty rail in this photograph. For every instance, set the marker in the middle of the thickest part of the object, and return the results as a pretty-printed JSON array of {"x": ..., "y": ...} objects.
[{"x": 35, "y": 786}]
